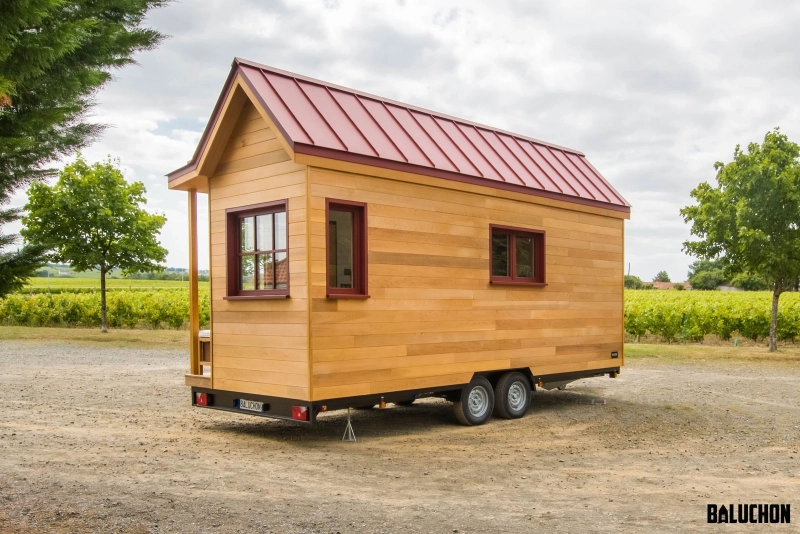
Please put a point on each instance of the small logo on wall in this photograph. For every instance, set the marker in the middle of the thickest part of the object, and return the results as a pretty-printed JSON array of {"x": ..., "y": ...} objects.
[{"x": 749, "y": 513}]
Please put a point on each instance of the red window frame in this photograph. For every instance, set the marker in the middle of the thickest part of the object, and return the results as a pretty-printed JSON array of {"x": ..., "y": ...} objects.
[
  {"x": 233, "y": 247},
  {"x": 359, "y": 211},
  {"x": 538, "y": 258}
]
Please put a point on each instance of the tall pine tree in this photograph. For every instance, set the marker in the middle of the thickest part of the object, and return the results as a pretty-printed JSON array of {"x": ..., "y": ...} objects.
[{"x": 54, "y": 57}]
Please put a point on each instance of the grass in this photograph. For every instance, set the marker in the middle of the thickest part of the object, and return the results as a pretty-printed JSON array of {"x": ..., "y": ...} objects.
[
  {"x": 706, "y": 353},
  {"x": 59, "y": 283},
  {"x": 92, "y": 336}
]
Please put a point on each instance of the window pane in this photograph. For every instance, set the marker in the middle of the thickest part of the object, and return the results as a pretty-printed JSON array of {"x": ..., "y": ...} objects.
[
  {"x": 248, "y": 273},
  {"x": 281, "y": 271},
  {"x": 266, "y": 271},
  {"x": 500, "y": 250},
  {"x": 340, "y": 249},
  {"x": 280, "y": 230},
  {"x": 264, "y": 224},
  {"x": 524, "y": 265},
  {"x": 247, "y": 239}
]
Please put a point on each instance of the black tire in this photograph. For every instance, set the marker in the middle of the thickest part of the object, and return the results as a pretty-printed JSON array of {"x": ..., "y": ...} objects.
[
  {"x": 512, "y": 396},
  {"x": 405, "y": 402},
  {"x": 476, "y": 403}
]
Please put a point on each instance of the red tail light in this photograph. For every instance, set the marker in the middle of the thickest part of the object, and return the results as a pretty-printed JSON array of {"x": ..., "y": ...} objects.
[
  {"x": 300, "y": 413},
  {"x": 201, "y": 399}
]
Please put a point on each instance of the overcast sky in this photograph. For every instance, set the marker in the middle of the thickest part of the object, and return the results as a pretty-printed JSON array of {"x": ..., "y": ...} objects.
[{"x": 652, "y": 92}]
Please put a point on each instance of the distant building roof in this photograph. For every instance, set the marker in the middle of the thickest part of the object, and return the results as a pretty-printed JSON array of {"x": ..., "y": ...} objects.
[
  {"x": 321, "y": 119},
  {"x": 671, "y": 285}
]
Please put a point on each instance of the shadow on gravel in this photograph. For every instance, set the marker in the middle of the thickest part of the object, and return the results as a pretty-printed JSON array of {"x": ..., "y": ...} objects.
[{"x": 425, "y": 416}]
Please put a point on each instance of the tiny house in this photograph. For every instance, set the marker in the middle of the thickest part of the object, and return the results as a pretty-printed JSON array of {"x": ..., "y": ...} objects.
[{"x": 364, "y": 251}]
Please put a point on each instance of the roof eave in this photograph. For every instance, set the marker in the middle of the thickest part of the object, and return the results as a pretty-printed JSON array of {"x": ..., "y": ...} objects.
[{"x": 312, "y": 150}]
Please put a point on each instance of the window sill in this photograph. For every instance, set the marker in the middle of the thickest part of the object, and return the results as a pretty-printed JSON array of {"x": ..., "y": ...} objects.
[
  {"x": 345, "y": 296},
  {"x": 514, "y": 283},
  {"x": 255, "y": 297}
]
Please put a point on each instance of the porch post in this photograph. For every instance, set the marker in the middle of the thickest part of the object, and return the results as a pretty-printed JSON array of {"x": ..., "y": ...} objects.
[{"x": 194, "y": 309}]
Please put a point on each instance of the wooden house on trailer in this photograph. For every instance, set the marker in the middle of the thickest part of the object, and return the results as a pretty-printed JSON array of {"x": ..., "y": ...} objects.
[{"x": 365, "y": 251}]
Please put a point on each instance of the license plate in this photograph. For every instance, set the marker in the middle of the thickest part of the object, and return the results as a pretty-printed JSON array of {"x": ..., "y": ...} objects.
[{"x": 252, "y": 406}]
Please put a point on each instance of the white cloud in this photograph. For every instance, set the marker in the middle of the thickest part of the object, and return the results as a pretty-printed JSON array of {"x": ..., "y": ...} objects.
[{"x": 653, "y": 93}]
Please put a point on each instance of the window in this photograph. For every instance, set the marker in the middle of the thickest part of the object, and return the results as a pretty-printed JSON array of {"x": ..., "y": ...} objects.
[
  {"x": 517, "y": 256},
  {"x": 346, "y": 249},
  {"x": 258, "y": 253}
]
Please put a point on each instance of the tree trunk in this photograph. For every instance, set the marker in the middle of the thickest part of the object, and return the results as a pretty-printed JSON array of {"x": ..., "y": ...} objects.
[
  {"x": 773, "y": 325},
  {"x": 103, "y": 316}
]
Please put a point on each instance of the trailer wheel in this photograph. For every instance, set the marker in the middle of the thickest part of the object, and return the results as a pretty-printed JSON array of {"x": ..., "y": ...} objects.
[
  {"x": 512, "y": 397},
  {"x": 476, "y": 403}
]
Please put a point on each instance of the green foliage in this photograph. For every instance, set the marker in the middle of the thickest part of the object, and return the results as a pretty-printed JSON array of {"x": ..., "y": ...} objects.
[
  {"x": 662, "y": 276},
  {"x": 749, "y": 282},
  {"x": 166, "y": 308},
  {"x": 751, "y": 220},
  {"x": 92, "y": 219},
  {"x": 692, "y": 315},
  {"x": 706, "y": 280},
  {"x": 17, "y": 267},
  {"x": 678, "y": 286},
  {"x": 633, "y": 282},
  {"x": 54, "y": 57}
]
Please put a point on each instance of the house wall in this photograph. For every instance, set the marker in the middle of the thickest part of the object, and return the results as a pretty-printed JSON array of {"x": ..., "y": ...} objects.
[
  {"x": 433, "y": 318},
  {"x": 259, "y": 346}
]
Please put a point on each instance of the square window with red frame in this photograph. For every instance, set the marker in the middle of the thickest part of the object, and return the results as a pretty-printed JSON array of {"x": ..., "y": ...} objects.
[
  {"x": 517, "y": 256},
  {"x": 258, "y": 251}
]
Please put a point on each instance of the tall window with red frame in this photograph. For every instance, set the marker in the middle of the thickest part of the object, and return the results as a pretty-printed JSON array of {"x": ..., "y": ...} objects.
[
  {"x": 517, "y": 256},
  {"x": 346, "y": 249}
]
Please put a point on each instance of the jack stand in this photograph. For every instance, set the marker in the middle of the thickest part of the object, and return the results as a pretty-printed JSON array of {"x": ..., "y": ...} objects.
[{"x": 349, "y": 435}]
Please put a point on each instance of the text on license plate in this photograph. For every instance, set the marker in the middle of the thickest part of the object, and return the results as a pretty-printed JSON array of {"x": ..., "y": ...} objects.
[{"x": 252, "y": 406}]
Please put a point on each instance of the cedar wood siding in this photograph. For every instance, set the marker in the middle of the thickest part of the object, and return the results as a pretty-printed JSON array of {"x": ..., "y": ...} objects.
[
  {"x": 433, "y": 317},
  {"x": 260, "y": 346}
]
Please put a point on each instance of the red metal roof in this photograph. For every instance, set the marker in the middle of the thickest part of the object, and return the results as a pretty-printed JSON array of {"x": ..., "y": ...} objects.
[{"x": 318, "y": 118}]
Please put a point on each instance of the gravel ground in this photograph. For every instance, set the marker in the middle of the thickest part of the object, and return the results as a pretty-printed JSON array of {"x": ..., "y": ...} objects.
[{"x": 101, "y": 439}]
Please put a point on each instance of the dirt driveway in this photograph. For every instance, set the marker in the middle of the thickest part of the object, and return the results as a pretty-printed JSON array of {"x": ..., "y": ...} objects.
[{"x": 102, "y": 439}]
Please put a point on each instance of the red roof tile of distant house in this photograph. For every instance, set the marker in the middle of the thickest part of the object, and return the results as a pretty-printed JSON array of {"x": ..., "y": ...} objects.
[{"x": 321, "y": 119}]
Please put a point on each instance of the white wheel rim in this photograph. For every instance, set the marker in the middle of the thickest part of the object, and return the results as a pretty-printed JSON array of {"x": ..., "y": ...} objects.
[
  {"x": 517, "y": 396},
  {"x": 478, "y": 401}
]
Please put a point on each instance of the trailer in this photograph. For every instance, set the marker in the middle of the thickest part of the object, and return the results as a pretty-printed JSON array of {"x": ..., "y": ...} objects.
[{"x": 364, "y": 251}]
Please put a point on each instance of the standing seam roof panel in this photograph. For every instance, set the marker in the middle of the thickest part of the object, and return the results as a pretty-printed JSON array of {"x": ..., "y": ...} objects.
[
  {"x": 307, "y": 115},
  {"x": 277, "y": 106},
  {"x": 335, "y": 122},
  {"x": 483, "y": 167},
  {"x": 499, "y": 171},
  {"x": 583, "y": 163},
  {"x": 541, "y": 179},
  {"x": 396, "y": 133},
  {"x": 579, "y": 175},
  {"x": 368, "y": 126},
  {"x": 520, "y": 171},
  {"x": 421, "y": 138},
  {"x": 574, "y": 183},
  {"x": 453, "y": 152},
  {"x": 337, "y": 119}
]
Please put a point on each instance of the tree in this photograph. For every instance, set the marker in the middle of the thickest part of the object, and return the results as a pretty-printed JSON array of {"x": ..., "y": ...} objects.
[
  {"x": 751, "y": 220},
  {"x": 633, "y": 282},
  {"x": 54, "y": 57},
  {"x": 662, "y": 276},
  {"x": 92, "y": 219},
  {"x": 749, "y": 282},
  {"x": 706, "y": 274}
]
